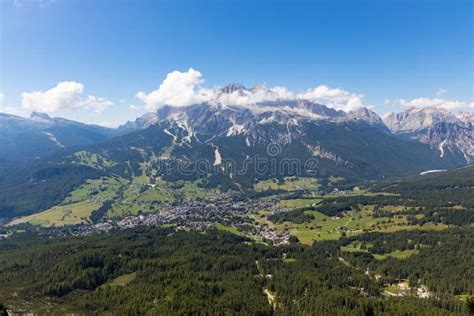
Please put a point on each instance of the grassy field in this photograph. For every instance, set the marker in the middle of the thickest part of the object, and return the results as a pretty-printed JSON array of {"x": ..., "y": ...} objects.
[
  {"x": 317, "y": 229},
  {"x": 122, "y": 280},
  {"x": 139, "y": 196},
  {"x": 143, "y": 196},
  {"x": 288, "y": 184},
  {"x": 135, "y": 201},
  {"x": 229, "y": 229},
  {"x": 106, "y": 188},
  {"x": 351, "y": 223},
  {"x": 86, "y": 158},
  {"x": 61, "y": 215},
  {"x": 398, "y": 254},
  {"x": 78, "y": 206},
  {"x": 192, "y": 191},
  {"x": 298, "y": 203},
  {"x": 393, "y": 289}
]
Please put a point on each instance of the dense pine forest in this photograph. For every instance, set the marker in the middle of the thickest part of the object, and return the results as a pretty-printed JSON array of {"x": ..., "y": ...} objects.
[
  {"x": 160, "y": 271},
  {"x": 206, "y": 157},
  {"x": 421, "y": 266}
]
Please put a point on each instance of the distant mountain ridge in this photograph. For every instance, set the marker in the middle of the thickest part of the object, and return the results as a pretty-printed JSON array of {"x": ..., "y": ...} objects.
[
  {"x": 229, "y": 100},
  {"x": 451, "y": 135},
  {"x": 26, "y": 139},
  {"x": 228, "y": 138}
]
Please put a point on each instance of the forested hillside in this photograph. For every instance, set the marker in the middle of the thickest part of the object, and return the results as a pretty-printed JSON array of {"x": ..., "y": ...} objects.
[
  {"x": 160, "y": 271},
  {"x": 453, "y": 187}
]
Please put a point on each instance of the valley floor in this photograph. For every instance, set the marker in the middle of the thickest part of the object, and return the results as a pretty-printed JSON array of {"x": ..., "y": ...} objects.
[{"x": 289, "y": 247}]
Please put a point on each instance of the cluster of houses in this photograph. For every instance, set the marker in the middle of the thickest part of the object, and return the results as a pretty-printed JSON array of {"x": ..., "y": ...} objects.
[
  {"x": 226, "y": 208},
  {"x": 202, "y": 215}
]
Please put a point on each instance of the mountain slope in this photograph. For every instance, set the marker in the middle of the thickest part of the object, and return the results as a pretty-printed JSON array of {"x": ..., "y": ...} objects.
[
  {"x": 443, "y": 188},
  {"x": 23, "y": 140},
  {"x": 452, "y": 136},
  {"x": 230, "y": 147}
]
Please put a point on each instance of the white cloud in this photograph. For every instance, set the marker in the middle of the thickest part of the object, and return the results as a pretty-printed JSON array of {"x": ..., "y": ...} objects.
[
  {"x": 11, "y": 110},
  {"x": 185, "y": 88},
  {"x": 178, "y": 89},
  {"x": 109, "y": 124},
  {"x": 334, "y": 97},
  {"x": 450, "y": 105},
  {"x": 66, "y": 95},
  {"x": 441, "y": 91},
  {"x": 254, "y": 96},
  {"x": 134, "y": 107},
  {"x": 96, "y": 103}
]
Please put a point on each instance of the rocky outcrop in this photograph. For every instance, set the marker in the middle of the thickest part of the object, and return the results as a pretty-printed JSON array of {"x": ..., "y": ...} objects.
[{"x": 443, "y": 130}]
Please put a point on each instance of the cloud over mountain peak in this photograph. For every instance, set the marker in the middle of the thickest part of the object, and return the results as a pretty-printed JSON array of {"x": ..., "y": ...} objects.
[{"x": 181, "y": 89}]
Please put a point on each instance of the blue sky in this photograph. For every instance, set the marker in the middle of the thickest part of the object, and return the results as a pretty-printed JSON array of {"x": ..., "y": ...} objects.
[{"x": 383, "y": 50}]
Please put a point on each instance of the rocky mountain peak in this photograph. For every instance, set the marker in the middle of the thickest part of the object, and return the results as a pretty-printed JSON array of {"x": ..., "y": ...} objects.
[
  {"x": 232, "y": 87},
  {"x": 368, "y": 116},
  {"x": 467, "y": 117},
  {"x": 40, "y": 117},
  {"x": 142, "y": 122},
  {"x": 437, "y": 127},
  {"x": 414, "y": 119}
]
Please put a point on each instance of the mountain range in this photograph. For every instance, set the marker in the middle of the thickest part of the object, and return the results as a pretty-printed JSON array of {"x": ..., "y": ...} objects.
[
  {"x": 23, "y": 140},
  {"x": 48, "y": 157},
  {"x": 451, "y": 135}
]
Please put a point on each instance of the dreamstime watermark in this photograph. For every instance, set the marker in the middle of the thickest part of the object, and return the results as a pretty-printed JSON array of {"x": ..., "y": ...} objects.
[{"x": 271, "y": 162}]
